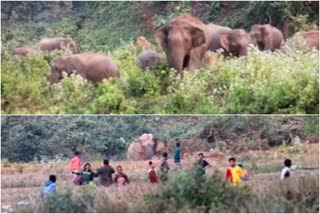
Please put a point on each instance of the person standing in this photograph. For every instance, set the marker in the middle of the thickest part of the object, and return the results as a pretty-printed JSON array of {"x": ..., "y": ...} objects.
[
  {"x": 164, "y": 167},
  {"x": 75, "y": 166},
  {"x": 121, "y": 179},
  {"x": 153, "y": 178},
  {"x": 87, "y": 175},
  {"x": 234, "y": 172},
  {"x": 177, "y": 155},
  {"x": 105, "y": 172},
  {"x": 202, "y": 164},
  {"x": 286, "y": 171}
]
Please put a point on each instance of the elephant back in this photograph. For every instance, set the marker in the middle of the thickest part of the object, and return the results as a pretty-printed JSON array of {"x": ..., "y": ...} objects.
[{"x": 214, "y": 33}]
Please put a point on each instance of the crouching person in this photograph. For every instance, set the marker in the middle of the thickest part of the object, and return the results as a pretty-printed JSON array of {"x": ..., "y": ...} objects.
[{"x": 49, "y": 186}]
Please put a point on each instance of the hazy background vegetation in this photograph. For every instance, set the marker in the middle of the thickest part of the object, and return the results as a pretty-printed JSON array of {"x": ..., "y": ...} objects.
[{"x": 31, "y": 138}]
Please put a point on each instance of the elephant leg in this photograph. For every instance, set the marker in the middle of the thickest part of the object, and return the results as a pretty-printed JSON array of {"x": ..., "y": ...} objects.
[{"x": 196, "y": 56}]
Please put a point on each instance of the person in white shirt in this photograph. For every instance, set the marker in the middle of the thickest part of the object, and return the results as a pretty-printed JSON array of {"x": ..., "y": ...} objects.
[{"x": 286, "y": 171}]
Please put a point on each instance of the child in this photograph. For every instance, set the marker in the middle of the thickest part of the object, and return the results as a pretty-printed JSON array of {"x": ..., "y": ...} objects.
[
  {"x": 177, "y": 155},
  {"x": 164, "y": 167},
  {"x": 87, "y": 174},
  {"x": 121, "y": 179},
  {"x": 286, "y": 171},
  {"x": 49, "y": 186},
  {"x": 234, "y": 173},
  {"x": 202, "y": 163},
  {"x": 152, "y": 173}
]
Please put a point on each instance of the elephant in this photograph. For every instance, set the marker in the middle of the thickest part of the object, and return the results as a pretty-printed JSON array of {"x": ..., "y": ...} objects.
[
  {"x": 51, "y": 44},
  {"x": 214, "y": 33},
  {"x": 145, "y": 148},
  {"x": 235, "y": 42},
  {"x": 147, "y": 59},
  {"x": 232, "y": 41},
  {"x": 91, "y": 66},
  {"x": 22, "y": 52},
  {"x": 311, "y": 37},
  {"x": 184, "y": 40},
  {"x": 266, "y": 37}
]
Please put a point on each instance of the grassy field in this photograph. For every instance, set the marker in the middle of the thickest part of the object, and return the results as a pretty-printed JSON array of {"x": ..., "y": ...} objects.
[{"x": 21, "y": 183}]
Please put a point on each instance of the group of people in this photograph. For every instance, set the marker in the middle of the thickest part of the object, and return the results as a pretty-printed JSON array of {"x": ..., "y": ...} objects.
[
  {"x": 235, "y": 174},
  {"x": 86, "y": 175}
]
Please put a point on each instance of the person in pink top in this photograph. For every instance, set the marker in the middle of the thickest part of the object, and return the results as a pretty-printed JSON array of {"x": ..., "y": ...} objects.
[{"x": 75, "y": 166}]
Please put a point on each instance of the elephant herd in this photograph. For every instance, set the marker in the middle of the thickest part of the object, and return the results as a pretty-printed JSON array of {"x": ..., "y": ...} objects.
[{"x": 185, "y": 41}]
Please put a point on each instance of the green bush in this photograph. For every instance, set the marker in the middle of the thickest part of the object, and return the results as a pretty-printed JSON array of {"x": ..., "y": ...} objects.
[
  {"x": 189, "y": 192},
  {"x": 68, "y": 201},
  {"x": 196, "y": 193}
]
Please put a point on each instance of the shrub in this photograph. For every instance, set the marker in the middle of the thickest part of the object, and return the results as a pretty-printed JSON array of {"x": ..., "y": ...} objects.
[
  {"x": 68, "y": 201},
  {"x": 191, "y": 191}
]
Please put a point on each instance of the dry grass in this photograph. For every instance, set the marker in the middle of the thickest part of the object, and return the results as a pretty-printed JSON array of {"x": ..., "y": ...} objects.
[{"x": 26, "y": 184}]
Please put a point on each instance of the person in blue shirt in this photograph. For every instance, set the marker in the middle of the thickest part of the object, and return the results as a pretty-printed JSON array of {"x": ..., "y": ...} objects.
[
  {"x": 49, "y": 186},
  {"x": 177, "y": 155}
]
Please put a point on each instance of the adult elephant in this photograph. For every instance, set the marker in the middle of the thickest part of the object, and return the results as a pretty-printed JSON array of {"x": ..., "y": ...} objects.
[
  {"x": 90, "y": 66},
  {"x": 145, "y": 148},
  {"x": 311, "y": 37},
  {"x": 51, "y": 44},
  {"x": 184, "y": 40},
  {"x": 233, "y": 42},
  {"x": 266, "y": 37}
]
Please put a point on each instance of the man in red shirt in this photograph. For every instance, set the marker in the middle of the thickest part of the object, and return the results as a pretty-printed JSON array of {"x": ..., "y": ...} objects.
[{"x": 75, "y": 166}]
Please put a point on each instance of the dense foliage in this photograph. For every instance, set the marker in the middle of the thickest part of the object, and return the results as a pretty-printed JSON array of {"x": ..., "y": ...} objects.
[
  {"x": 281, "y": 82},
  {"x": 41, "y": 137}
]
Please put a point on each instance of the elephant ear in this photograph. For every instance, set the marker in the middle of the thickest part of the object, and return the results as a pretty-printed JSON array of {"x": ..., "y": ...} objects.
[
  {"x": 224, "y": 41},
  {"x": 198, "y": 37},
  {"x": 265, "y": 30},
  {"x": 161, "y": 36}
]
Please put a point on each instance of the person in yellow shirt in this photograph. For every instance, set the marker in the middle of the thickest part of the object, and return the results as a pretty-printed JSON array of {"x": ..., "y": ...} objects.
[{"x": 234, "y": 173}]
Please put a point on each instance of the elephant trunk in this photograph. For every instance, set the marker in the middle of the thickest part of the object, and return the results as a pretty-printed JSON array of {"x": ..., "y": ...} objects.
[{"x": 176, "y": 59}]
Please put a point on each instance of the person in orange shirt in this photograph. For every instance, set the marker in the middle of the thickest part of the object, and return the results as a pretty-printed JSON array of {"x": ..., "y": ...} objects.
[
  {"x": 234, "y": 173},
  {"x": 75, "y": 166}
]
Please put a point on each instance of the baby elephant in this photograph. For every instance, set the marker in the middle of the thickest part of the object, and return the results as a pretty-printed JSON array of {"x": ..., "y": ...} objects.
[
  {"x": 148, "y": 59},
  {"x": 90, "y": 66},
  {"x": 266, "y": 37},
  {"x": 51, "y": 44},
  {"x": 311, "y": 37},
  {"x": 23, "y": 52}
]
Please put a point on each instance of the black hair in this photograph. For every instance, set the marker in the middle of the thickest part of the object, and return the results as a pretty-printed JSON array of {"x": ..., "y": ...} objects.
[
  {"x": 165, "y": 154},
  {"x": 200, "y": 154},
  {"x": 86, "y": 164},
  {"x": 105, "y": 161},
  {"x": 240, "y": 165},
  {"x": 232, "y": 159},
  {"x": 150, "y": 163},
  {"x": 178, "y": 144},
  {"x": 76, "y": 153},
  {"x": 287, "y": 162},
  {"x": 52, "y": 178}
]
